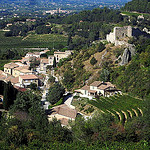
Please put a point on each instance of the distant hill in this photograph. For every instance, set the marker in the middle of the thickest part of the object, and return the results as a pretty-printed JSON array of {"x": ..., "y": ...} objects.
[{"x": 142, "y": 6}]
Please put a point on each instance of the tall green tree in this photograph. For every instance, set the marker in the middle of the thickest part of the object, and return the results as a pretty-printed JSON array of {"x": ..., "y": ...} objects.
[
  {"x": 54, "y": 62},
  {"x": 9, "y": 95},
  {"x": 55, "y": 93},
  {"x": 68, "y": 79}
]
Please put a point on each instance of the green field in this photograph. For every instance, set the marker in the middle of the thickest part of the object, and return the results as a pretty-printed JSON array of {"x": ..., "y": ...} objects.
[
  {"x": 134, "y": 13},
  {"x": 123, "y": 107},
  {"x": 32, "y": 41}
]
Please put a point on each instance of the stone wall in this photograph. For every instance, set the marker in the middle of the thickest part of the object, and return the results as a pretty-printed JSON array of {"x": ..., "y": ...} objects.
[
  {"x": 118, "y": 34},
  {"x": 122, "y": 32}
]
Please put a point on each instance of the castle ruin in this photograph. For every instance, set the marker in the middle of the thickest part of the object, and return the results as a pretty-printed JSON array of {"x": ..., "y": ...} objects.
[{"x": 118, "y": 34}]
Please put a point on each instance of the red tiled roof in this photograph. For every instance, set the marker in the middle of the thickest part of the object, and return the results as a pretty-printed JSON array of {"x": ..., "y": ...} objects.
[
  {"x": 15, "y": 80},
  {"x": 65, "y": 111},
  {"x": 9, "y": 78},
  {"x": 31, "y": 76},
  {"x": 20, "y": 88},
  {"x": 36, "y": 53},
  {"x": 96, "y": 83},
  {"x": 85, "y": 87},
  {"x": 105, "y": 85},
  {"x": 22, "y": 67},
  {"x": 11, "y": 65}
]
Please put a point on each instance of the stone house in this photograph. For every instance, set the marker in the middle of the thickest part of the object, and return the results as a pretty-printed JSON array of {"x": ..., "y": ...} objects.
[
  {"x": 23, "y": 70},
  {"x": 26, "y": 80},
  {"x": 8, "y": 68},
  {"x": 51, "y": 60},
  {"x": 97, "y": 88},
  {"x": 62, "y": 113},
  {"x": 59, "y": 55},
  {"x": 34, "y": 54},
  {"x": 43, "y": 64}
]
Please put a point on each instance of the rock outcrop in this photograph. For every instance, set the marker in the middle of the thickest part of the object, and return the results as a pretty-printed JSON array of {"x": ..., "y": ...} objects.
[{"x": 128, "y": 53}]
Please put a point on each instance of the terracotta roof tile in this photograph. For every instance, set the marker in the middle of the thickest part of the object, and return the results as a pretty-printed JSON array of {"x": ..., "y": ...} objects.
[
  {"x": 15, "y": 80},
  {"x": 9, "y": 78},
  {"x": 20, "y": 88},
  {"x": 22, "y": 67},
  {"x": 105, "y": 85},
  {"x": 36, "y": 53},
  {"x": 2, "y": 77},
  {"x": 11, "y": 65},
  {"x": 96, "y": 83},
  {"x": 65, "y": 111},
  {"x": 85, "y": 87},
  {"x": 31, "y": 76}
]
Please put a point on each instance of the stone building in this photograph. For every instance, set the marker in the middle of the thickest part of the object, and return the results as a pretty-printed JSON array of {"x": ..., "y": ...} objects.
[
  {"x": 8, "y": 68},
  {"x": 118, "y": 34},
  {"x": 59, "y": 55}
]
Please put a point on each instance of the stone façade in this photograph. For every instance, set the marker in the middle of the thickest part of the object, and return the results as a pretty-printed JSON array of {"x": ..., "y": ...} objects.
[{"x": 118, "y": 34}]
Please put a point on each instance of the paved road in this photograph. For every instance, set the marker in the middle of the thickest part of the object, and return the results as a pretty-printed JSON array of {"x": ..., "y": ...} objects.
[
  {"x": 45, "y": 91},
  {"x": 68, "y": 100}
]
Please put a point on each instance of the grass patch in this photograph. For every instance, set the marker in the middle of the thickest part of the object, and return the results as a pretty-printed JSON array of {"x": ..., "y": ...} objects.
[
  {"x": 134, "y": 13},
  {"x": 58, "y": 103}
]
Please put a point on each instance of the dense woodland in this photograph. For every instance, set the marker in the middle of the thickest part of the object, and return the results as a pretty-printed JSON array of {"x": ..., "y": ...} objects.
[
  {"x": 30, "y": 129},
  {"x": 142, "y": 6}
]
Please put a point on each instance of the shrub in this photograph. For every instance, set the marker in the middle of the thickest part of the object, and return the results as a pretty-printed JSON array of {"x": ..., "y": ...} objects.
[
  {"x": 93, "y": 61},
  {"x": 101, "y": 47}
]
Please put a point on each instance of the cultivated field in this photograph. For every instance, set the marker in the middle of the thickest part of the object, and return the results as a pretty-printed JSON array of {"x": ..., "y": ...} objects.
[
  {"x": 32, "y": 41},
  {"x": 123, "y": 107}
]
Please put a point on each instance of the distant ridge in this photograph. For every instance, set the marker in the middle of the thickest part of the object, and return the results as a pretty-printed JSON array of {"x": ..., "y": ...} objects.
[{"x": 142, "y": 6}]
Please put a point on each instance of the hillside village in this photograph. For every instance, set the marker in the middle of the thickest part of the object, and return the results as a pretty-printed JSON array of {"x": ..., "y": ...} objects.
[{"x": 21, "y": 76}]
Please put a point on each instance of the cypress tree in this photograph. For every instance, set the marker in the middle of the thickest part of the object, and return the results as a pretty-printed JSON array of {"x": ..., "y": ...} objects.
[
  {"x": 5, "y": 96},
  {"x": 9, "y": 95},
  {"x": 54, "y": 62}
]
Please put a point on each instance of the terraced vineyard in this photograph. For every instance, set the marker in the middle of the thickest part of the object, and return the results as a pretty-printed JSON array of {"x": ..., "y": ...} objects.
[{"x": 123, "y": 107}]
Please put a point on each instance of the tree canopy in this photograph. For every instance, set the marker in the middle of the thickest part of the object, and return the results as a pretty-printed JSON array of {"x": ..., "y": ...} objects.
[
  {"x": 55, "y": 93},
  {"x": 142, "y": 6}
]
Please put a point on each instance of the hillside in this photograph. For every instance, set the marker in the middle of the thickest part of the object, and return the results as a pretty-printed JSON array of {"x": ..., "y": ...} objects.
[
  {"x": 142, "y": 6},
  {"x": 132, "y": 78},
  {"x": 78, "y": 67}
]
